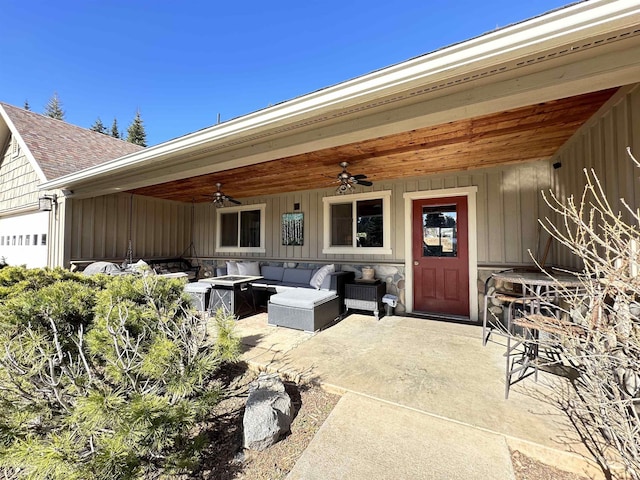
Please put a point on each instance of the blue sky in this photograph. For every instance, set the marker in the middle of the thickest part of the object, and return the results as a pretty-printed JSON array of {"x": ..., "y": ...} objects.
[{"x": 183, "y": 63}]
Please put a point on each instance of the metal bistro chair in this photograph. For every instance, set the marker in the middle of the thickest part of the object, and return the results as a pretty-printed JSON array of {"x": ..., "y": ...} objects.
[{"x": 529, "y": 333}]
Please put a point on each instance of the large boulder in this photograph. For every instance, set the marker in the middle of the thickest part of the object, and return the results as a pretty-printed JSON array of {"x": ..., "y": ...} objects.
[{"x": 268, "y": 413}]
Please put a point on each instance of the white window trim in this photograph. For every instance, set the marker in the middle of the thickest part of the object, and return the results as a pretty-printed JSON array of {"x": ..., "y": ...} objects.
[
  {"x": 385, "y": 196},
  {"x": 262, "y": 207}
]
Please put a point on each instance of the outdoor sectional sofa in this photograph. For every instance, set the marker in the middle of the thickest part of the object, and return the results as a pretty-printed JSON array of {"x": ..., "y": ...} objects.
[{"x": 302, "y": 298}]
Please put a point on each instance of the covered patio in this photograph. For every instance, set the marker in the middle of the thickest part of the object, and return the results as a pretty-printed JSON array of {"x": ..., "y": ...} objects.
[
  {"x": 425, "y": 367},
  {"x": 472, "y": 132}
]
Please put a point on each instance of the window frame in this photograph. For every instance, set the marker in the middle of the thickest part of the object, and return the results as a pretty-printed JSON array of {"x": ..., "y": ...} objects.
[
  {"x": 353, "y": 198},
  {"x": 261, "y": 207}
]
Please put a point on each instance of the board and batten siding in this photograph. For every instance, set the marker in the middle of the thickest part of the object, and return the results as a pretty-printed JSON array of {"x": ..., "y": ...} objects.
[
  {"x": 18, "y": 178},
  {"x": 509, "y": 204},
  {"x": 99, "y": 227},
  {"x": 601, "y": 144}
]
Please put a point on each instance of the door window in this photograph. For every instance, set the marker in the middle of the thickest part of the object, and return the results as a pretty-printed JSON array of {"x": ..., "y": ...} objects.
[{"x": 439, "y": 231}]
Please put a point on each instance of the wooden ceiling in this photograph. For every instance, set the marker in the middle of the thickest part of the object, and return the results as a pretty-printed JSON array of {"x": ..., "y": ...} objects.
[{"x": 529, "y": 133}]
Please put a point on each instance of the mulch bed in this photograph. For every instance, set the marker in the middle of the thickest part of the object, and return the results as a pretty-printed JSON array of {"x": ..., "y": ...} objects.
[{"x": 225, "y": 459}]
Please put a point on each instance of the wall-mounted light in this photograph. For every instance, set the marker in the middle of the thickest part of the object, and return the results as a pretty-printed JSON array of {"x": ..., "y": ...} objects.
[
  {"x": 557, "y": 165},
  {"x": 46, "y": 203}
]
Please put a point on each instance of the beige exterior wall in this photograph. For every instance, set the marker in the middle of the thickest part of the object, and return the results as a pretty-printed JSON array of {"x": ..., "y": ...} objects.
[
  {"x": 601, "y": 144},
  {"x": 18, "y": 179},
  {"x": 508, "y": 205},
  {"x": 99, "y": 227}
]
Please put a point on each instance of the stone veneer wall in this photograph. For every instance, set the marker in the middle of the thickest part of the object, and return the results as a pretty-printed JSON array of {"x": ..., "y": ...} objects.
[
  {"x": 495, "y": 307},
  {"x": 392, "y": 275}
]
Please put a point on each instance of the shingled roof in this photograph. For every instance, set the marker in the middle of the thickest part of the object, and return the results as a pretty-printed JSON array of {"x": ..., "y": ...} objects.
[{"x": 61, "y": 148}]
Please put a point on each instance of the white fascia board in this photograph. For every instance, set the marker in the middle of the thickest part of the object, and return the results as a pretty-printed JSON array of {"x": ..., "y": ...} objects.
[
  {"x": 23, "y": 146},
  {"x": 557, "y": 28}
]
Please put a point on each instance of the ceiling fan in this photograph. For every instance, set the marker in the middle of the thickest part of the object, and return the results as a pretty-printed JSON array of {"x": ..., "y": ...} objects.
[
  {"x": 347, "y": 181},
  {"x": 218, "y": 198}
]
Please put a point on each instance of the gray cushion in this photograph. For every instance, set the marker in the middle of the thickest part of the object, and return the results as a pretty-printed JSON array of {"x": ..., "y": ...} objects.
[
  {"x": 251, "y": 269},
  {"x": 232, "y": 267},
  {"x": 297, "y": 275},
  {"x": 197, "y": 287},
  {"x": 272, "y": 273},
  {"x": 302, "y": 298},
  {"x": 318, "y": 277}
]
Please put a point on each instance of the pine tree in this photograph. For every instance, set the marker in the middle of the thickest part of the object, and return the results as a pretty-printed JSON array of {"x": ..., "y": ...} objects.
[
  {"x": 98, "y": 126},
  {"x": 54, "y": 108},
  {"x": 26, "y": 105},
  {"x": 104, "y": 378},
  {"x": 114, "y": 129},
  {"x": 136, "y": 133}
]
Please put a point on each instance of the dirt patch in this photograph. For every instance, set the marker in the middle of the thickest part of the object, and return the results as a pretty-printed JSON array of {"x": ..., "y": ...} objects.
[
  {"x": 526, "y": 468},
  {"x": 225, "y": 459}
]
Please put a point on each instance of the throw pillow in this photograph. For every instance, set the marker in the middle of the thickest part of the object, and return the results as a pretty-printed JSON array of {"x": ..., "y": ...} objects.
[
  {"x": 319, "y": 276},
  {"x": 232, "y": 268},
  {"x": 249, "y": 268}
]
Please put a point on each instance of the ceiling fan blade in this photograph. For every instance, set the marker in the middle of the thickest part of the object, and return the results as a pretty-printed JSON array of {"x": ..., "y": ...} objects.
[
  {"x": 366, "y": 183},
  {"x": 360, "y": 176},
  {"x": 233, "y": 200}
]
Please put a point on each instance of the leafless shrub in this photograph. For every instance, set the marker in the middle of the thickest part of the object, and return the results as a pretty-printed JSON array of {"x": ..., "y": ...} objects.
[{"x": 605, "y": 403}]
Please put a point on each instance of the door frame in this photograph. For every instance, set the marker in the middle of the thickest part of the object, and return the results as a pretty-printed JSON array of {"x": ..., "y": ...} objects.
[{"x": 469, "y": 192}]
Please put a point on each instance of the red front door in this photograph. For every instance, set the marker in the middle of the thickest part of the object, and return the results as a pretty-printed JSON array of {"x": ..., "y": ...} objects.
[{"x": 441, "y": 256}]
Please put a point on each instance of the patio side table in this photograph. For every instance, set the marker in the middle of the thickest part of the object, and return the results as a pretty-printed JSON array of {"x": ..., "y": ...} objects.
[{"x": 365, "y": 296}]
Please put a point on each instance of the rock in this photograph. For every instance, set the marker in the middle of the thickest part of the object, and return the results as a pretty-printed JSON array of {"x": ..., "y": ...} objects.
[{"x": 268, "y": 413}]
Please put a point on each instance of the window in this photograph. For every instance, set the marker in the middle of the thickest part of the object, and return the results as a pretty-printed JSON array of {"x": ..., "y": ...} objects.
[
  {"x": 20, "y": 240},
  {"x": 440, "y": 231},
  {"x": 43, "y": 239},
  {"x": 2, "y": 240},
  {"x": 27, "y": 239},
  {"x": 241, "y": 229},
  {"x": 13, "y": 240},
  {"x": 358, "y": 223},
  {"x": 35, "y": 239}
]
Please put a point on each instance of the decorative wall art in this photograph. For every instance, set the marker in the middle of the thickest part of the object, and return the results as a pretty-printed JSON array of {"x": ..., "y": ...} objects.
[{"x": 292, "y": 229}]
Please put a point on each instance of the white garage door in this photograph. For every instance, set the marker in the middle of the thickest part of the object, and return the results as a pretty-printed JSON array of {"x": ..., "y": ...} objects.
[{"x": 23, "y": 239}]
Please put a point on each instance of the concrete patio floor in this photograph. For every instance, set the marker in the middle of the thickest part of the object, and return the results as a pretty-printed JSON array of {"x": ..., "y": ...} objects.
[{"x": 438, "y": 372}]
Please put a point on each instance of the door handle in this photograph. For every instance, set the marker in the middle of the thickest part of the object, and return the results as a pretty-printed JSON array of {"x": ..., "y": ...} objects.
[{"x": 416, "y": 263}]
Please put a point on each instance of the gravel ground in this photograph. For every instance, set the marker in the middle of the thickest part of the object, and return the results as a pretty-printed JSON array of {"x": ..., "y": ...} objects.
[{"x": 226, "y": 460}]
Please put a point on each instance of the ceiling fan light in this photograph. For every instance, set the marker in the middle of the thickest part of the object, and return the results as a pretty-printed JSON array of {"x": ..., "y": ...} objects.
[{"x": 342, "y": 189}]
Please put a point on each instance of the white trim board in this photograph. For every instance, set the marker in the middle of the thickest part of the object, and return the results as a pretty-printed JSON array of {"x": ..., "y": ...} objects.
[{"x": 470, "y": 193}]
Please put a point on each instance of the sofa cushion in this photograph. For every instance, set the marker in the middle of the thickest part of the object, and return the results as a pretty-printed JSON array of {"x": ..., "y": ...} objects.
[
  {"x": 272, "y": 273},
  {"x": 232, "y": 268},
  {"x": 221, "y": 271},
  {"x": 297, "y": 275},
  {"x": 249, "y": 268},
  {"x": 318, "y": 278},
  {"x": 302, "y": 298}
]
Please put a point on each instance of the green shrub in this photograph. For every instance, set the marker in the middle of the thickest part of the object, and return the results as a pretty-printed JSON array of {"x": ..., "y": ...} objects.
[{"x": 102, "y": 377}]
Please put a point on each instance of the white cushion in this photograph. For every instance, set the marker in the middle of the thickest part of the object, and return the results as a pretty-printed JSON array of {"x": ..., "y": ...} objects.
[
  {"x": 249, "y": 268},
  {"x": 232, "y": 268},
  {"x": 302, "y": 297},
  {"x": 319, "y": 276}
]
